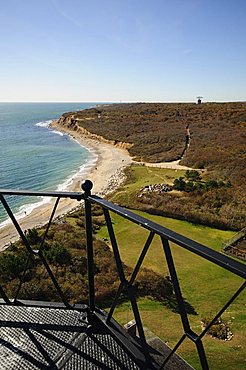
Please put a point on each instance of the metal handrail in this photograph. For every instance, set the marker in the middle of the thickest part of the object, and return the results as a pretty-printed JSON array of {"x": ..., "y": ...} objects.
[
  {"x": 184, "y": 242},
  {"x": 187, "y": 243},
  {"x": 165, "y": 235},
  {"x": 55, "y": 194}
]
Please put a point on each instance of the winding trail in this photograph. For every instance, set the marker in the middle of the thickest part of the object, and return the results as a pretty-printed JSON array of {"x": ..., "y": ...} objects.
[{"x": 174, "y": 164}]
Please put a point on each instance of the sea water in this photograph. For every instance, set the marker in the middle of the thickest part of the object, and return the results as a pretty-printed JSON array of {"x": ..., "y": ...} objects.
[{"x": 33, "y": 156}]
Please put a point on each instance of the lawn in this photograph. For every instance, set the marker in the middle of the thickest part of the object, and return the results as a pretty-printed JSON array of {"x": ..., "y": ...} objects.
[
  {"x": 140, "y": 176},
  {"x": 205, "y": 286}
]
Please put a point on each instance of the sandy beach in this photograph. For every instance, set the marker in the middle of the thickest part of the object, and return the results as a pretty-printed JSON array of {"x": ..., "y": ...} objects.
[{"x": 105, "y": 173}]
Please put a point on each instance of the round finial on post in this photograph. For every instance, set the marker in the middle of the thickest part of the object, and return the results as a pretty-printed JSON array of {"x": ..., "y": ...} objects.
[{"x": 87, "y": 186}]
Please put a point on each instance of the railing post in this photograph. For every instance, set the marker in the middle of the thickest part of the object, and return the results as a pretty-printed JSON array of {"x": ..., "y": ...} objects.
[{"x": 87, "y": 186}]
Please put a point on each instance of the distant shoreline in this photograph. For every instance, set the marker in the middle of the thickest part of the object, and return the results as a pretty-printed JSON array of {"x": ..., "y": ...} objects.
[{"x": 105, "y": 173}]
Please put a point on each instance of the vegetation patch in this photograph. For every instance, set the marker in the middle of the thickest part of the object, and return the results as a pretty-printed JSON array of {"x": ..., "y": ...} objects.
[
  {"x": 207, "y": 288},
  {"x": 194, "y": 198},
  {"x": 220, "y": 329},
  {"x": 236, "y": 247},
  {"x": 192, "y": 181},
  {"x": 158, "y": 132},
  {"x": 65, "y": 251}
]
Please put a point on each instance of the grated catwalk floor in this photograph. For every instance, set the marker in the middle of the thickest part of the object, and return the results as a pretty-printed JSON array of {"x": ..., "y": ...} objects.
[
  {"x": 57, "y": 338},
  {"x": 45, "y": 338}
]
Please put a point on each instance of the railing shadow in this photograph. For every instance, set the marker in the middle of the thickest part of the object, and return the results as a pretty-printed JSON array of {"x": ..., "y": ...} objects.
[{"x": 127, "y": 283}]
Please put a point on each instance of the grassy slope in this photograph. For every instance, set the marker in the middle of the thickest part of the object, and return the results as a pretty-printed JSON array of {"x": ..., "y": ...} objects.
[
  {"x": 139, "y": 177},
  {"x": 205, "y": 286},
  {"x": 215, "y": 207}
]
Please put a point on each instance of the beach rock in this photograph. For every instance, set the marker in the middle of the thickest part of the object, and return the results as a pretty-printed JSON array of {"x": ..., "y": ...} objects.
[{"x": 155, "y": 188}]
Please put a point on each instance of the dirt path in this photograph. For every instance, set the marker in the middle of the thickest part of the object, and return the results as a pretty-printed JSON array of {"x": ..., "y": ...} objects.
[{"x": 174, "y": 165}]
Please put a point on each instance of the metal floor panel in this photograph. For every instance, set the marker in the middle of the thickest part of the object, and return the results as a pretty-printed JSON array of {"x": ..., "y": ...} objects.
[
  {"x": 100, "y": 352},
  {"x": 48, "y": 338},
  {"x": 33, "y": 344}
]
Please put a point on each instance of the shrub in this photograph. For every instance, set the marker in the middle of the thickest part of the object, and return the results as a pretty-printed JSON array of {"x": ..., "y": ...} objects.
[
  {"x": 190, "y": 186},
  {"x": 11, "y": 265},
  {"x": 32, "y": 236},
  {"x": 179, "y": 184},
  {"x": 58, "y": 255},
  {"x": 220, "y": 329},
  {"x": 149, "y": 283},
  {"x": 193, "y": 175}
]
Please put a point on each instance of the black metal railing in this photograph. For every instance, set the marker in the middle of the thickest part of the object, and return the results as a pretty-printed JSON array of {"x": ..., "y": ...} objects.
[{"x": 126, "y": 284}]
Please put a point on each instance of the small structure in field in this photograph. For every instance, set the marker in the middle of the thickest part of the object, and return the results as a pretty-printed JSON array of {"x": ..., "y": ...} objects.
[{"x": 199, "y": 100}]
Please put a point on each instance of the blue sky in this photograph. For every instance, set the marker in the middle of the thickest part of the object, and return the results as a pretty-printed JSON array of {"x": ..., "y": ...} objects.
[{"x": 122, "y": 50}]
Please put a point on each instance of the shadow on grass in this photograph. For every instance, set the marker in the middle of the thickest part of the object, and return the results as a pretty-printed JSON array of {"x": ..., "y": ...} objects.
[{"x": 170, "y": 302}]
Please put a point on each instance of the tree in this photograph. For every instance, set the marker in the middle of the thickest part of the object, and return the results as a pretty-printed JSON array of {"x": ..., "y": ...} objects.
[
  {"x": 11, "y": 265},
  {"x": 212, "y": 184},
  {"x": 193, "y": 175},
  {"x": 190, "y": 186},
  {"x": 58, "y": 255},
  {"x": 32, "y": 236},
  {"x": 179, "y": 184}
]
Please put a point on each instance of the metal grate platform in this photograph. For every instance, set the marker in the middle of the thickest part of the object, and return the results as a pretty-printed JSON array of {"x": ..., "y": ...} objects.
[
  {"x": 58, "y": 338},
  {"x": 48, "y": 338}
]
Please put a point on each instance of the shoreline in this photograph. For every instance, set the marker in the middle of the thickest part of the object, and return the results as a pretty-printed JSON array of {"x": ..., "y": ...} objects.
[{"x": 105, "y": 172}]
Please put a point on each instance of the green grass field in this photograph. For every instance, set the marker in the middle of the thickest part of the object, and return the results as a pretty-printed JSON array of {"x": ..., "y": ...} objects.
[
  {"x": 140, "y": 176},
  {"x": 204, "y": 285}
]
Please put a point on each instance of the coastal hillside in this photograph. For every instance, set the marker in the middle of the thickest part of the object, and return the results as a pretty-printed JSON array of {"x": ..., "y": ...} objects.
[
  {"x": 209, "y": 137},
  {"x": 158, "y": 132}
]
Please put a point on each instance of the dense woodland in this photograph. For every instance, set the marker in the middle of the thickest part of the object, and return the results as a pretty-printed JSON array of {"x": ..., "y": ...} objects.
[{"x": 159, "y": 132}]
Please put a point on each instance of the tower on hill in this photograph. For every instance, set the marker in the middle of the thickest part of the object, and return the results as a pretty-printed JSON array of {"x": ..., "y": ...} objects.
[{"x": 199, "y": 100}]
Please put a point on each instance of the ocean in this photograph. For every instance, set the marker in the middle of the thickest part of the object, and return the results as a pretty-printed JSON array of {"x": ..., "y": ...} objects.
[{"x": 34, "y": 156}]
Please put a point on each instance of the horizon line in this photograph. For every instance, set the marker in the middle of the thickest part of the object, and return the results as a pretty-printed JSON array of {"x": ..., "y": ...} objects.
[{"x": 126, "y": 101}]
